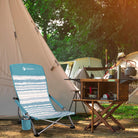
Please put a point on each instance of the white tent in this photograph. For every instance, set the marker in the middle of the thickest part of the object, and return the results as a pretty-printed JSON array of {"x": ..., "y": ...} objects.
[
  {"x": 73, "y": 66},
  {"x": 133, "y": 58},
  {"x": 21, "y": 42},
  {"x": 81, "y": 73},
  {"x": 133, "y": 97}
]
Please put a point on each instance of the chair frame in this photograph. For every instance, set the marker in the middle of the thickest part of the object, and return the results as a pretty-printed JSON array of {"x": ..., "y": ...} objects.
[
  {"x": 22, "y": 113},
  {"x": 26, "y": 115}
]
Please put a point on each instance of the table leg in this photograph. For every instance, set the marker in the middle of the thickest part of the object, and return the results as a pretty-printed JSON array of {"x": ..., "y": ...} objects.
[
  {"x": 101, "y": 119},
  {"x": 92, "y": 120},
  {"x": 109, "y": 114},
  {"x": 72, "y": 101}
]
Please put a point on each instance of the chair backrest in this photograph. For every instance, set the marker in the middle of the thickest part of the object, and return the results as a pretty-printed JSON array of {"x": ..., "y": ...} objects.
[{"x": 31, "y": 87}]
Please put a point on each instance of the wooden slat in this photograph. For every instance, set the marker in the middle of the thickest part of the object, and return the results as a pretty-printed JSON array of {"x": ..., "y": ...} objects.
[
  {"x": 95, "y": 68},
  {"x": 98, "y": 80}
]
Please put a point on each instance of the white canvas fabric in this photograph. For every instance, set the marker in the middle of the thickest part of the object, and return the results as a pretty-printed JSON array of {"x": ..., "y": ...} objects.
[
  {"x": 132, "y": 57},
  {"x": 133, "y": 97},
  {"x": 21, "y": 42},
  {"x": 74, "y": 66}
]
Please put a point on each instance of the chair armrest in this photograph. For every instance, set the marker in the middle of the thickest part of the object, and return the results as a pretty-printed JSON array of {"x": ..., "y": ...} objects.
[
  {"x": 15, "y": 98},
  {"x": 21, "y": 107},
  {"x": 59, "y": 104}
]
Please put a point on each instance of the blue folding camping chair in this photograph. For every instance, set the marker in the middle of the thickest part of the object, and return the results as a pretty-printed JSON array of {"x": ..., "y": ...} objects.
[{"x": 33, "y": 99}]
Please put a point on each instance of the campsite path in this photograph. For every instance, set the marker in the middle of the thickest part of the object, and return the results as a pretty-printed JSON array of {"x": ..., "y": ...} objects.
[{"x": 11, "y": 129}]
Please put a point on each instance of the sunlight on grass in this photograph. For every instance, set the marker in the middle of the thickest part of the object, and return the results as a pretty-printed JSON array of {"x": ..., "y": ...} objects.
[
  {"x": 132, "y": 129},
  {"x": 125, "y": 111}
]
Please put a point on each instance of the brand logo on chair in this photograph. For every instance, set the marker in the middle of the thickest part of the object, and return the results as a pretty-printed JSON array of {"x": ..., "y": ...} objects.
[{"x": 24, "y": 69}]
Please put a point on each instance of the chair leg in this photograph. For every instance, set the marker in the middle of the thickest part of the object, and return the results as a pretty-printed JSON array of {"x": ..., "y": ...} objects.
[
  {"x": 53, "y": 122},
  {"x": 34, "y": 130},
  {"x": 72, "y": 125},
  {"x": 19, "y": 116},
  {"x": 36, "y": 134}
]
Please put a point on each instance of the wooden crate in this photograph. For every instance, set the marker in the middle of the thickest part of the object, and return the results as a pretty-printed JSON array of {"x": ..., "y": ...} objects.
[{"x": 99, "y": 87}]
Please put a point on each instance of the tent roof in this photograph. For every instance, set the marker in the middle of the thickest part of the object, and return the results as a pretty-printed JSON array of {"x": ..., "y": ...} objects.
[
  {"x": 21, "y": 42},
  {"x": 79, "y": 59},
  {"x": 73, "y": 66},
  {"x": 133, "y": 57},
  {"x": 130, "y": 56}
]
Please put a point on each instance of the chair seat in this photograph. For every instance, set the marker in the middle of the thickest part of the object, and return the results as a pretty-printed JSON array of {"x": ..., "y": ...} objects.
[
  {"x": 44, "y": 110},
  {"x": 50, "y": 115}
]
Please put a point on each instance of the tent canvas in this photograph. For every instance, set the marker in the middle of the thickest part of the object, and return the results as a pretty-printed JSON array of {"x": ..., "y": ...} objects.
[
  {"x": 21, "y": 42},
  {"x": 132, "y": 56},
  {"x": 73, "y": 66},
  {"x": 81, "y": 73},
  {"x": 133, "y": 97}
]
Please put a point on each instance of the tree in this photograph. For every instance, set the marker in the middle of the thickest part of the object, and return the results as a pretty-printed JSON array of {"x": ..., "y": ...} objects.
[
  {"x": 81, "y": 28},
  {"x": 49, "y": 17},
  {"x": 106, "y": 24}
]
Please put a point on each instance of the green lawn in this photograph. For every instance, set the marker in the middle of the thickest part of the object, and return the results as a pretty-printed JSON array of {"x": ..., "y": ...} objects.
[{"x": 125, "y": 111}]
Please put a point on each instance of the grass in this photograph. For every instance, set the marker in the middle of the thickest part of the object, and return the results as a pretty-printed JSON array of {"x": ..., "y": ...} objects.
[{"x": 125, "y": 111}]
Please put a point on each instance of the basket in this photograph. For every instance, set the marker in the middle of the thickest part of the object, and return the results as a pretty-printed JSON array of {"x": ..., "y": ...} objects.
[{"x": 26, "y": 124}]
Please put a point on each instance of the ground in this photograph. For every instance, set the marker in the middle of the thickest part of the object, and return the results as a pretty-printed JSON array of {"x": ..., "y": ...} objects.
[{"x": 12, "y": 129}]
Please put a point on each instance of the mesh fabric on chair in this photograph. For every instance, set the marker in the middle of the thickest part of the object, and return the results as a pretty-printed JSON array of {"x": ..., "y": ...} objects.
[{"x": 33, "y": 98}]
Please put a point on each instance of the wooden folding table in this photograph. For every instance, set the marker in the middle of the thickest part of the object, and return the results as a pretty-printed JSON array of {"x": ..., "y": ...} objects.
[{"x": 97, "y": 91}]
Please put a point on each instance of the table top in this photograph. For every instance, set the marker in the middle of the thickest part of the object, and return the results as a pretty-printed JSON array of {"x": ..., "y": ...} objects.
[
  {"x": 94, "y": 100},
  {"x": 99, "y": 80}
]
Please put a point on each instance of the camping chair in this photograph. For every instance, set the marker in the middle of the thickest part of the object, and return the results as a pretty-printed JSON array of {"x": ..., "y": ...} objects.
[{"x": 33, "y": 98}]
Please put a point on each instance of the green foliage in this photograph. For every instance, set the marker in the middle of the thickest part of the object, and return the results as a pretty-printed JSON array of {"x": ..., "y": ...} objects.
[
  {"x": 80, "y": 28},
  {"x": 107, "y": 23}
]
